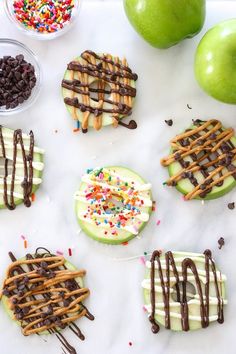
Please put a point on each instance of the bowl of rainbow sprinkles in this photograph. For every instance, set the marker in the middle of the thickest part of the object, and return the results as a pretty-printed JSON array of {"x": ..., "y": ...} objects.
[{"x": 42, "y": 19}]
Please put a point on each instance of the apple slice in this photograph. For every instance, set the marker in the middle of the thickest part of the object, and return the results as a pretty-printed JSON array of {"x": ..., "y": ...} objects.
[
  {"x": 197, "y": 174},
  {"x": 103, "y": 87},
  {"x": 19, "y": 172},
  {"x": 113, "y": 219},
  {"x": 7, "y": 304},
  {"x": 191, "y": 289}
]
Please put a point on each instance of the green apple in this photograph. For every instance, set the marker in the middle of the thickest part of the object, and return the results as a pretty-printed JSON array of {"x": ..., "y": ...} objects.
[
  {"x": 164, "y": 23},
  {"x": 215, "y": 62}
]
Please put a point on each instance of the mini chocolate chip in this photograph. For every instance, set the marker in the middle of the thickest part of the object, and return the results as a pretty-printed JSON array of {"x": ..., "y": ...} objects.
[
  {"x": 47, "y": 322},
  {"x": 169, "y": 122},
  {"x": 202, "y": 186},
  {"x": 20, "y": 293},
  {"x": 231, "y": 206},
  {"x": 19, "y": 316},
  {"x": 177, "y": 156},
  {"x": 62, "y": 294},
  {"x": 25, "y": 310},
  {"x": 113, "y": 77},
  {"x": 173, "y": 183},
  {"x": 6, "y": 292},
  {"x": 43, "y": 265},
  {"x": 21, "y": 287},
  {"x": 212, "y": 136},
  {"x": 186, "y": 164},
  {"x": 200, "y": 142},
  {"x": 185, "y": 142},
  {"x": 66, "y": 302},
  {"x": 14, "y": 300},
  {"x": 135, "y": 77}
]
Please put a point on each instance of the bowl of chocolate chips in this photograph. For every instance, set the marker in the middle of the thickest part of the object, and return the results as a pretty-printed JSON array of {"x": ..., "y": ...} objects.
[{"x": 20, "y": 77}]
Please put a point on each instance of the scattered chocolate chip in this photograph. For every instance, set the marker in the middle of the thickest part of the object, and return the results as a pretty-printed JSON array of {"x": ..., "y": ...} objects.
[
  {"x": 197, "y": 122},
  {"x": 221, "y": 242},
  {"x": 169, "y": 122},
  {"x": 231, "y": 206}
]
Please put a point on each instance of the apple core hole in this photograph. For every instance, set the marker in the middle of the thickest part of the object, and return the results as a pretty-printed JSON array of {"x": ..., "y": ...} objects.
[
  {"x": 190, "y": 291},
  {"x": 99, "y": 90},
  {"x": 113, "y": 206}
]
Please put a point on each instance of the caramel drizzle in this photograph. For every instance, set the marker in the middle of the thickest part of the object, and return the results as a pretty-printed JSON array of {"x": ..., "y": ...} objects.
[
  {"x": 27, "y": 183},
  {"x": 187, "y": 263},
  {"x": 46, "y": 292},
  {"x": 210, "y": 151},
  {"x": 114, "y": 72}
]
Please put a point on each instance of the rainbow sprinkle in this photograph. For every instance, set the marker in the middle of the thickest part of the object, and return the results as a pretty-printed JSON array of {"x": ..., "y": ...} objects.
[{"x": 43, "y": 16}]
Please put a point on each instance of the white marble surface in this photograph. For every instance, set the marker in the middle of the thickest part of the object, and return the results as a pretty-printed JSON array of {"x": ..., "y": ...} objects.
[{"x": 166, "y": 84}]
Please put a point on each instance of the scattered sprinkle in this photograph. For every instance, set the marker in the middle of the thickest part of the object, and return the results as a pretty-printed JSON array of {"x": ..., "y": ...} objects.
[
  {"x": 164, "y": 183},
  {"x": 125, "y": 243},
  {"x": 23, "y": 237},
  {"x": 189, "y": 106},
  {"x": 75, "y": 130},
  {"x": 169, "y": 122},
  {"x": 78, "y": 124},
  {"x": 130, "y": 344},
  {"x": 231, "y": 206},
  {"x": 70, "y": 252},
  {"x": 25, "y": 244},
  {"x": 142, "y": 260},
  {"x": 153, "y": 206},
  {"x": 221, "y": 242},
  {"x": 55, "y": 131},
  {"x": 33, "y": 197},
  {"x": 60, "y": 253},
  {"x": 183, "y": 198},
  {"x": 145, "y": 253},
  {"x": 144, "y": 309},
  {"x": 158, "y": 222}
]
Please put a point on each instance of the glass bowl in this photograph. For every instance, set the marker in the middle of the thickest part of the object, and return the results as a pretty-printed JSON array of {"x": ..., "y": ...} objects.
[
  {"x": 13, "y": 48},
  {"x": 9, "y": 8}
]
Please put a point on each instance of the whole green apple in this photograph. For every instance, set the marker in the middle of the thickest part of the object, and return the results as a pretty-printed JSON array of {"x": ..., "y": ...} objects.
[
  {"x": 164, "y": 23},
  {"x": 215, "y": 62}
]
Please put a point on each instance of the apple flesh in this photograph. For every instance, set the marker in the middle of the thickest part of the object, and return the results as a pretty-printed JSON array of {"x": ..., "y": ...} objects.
[
  {"x": 164, "y": 23},
  {"x": 215, "y": 62}
]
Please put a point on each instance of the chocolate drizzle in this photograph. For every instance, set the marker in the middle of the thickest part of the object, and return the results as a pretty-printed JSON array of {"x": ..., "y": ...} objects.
[
  {"x": 206, "y": 149},
  {"x": 45, "y": 295},
  {"x": 10, "y": 170},
  {"x": 113, "y": 95},
  {"x": 202, "y": 290}
]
